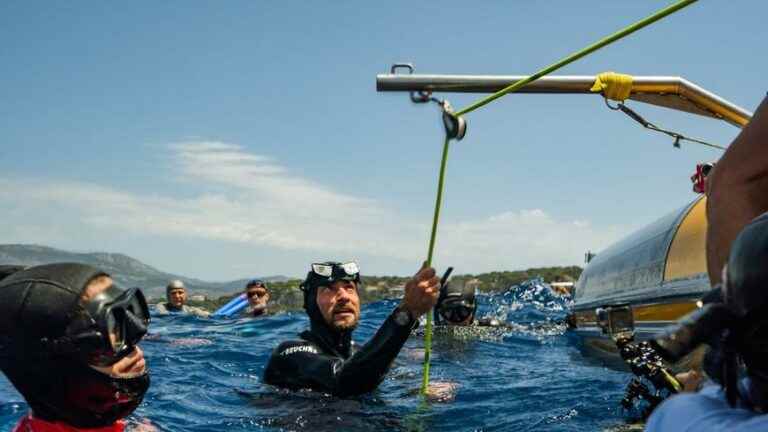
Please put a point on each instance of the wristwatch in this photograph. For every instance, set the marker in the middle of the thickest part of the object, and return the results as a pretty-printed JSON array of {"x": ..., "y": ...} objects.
[{"x": 403, "y": 317}]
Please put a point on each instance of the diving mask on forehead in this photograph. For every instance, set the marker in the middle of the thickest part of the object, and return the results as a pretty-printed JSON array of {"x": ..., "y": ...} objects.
[
  {"x": 334, "y": 271},
  {"x": 107, "y": 328}
]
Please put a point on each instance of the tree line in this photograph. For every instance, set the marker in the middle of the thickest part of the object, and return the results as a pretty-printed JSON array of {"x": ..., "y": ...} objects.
[{"x": 286, "y": 295}]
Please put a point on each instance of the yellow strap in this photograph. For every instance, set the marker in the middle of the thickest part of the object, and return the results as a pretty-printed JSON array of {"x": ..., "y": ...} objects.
[{"x": 612, "y": 85}]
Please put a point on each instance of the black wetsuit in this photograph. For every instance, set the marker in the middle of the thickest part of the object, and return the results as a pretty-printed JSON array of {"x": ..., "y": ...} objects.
[{"x": 330, "y": 362}]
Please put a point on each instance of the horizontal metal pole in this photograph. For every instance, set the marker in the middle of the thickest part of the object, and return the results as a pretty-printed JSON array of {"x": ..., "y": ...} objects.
[{"x": 644, "y": 88}]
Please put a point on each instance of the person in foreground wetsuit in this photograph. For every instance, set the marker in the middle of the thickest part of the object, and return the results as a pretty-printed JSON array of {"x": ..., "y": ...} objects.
[
  {"x": 734, "y": 404},
  {"x": 176, "y": 294},
  {"x": 325, "y": 358},
  {"x": 68, "y": 344},
  {"x": 257, "y": 293}
]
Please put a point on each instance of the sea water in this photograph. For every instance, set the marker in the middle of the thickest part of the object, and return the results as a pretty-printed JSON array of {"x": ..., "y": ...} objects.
[{"x": 531, "y": 376}]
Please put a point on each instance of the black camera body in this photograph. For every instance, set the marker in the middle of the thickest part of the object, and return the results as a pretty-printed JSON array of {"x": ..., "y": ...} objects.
[
  {"x": 616, "y": 321},
  {"x": 645, "y": 363}
]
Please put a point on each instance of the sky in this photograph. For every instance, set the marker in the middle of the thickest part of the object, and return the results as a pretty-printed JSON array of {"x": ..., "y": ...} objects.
[{"x": 224, "y": 140}]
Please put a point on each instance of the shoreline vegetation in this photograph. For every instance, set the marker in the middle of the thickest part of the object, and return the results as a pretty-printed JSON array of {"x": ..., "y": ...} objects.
[{"x": 286, "y": 296}]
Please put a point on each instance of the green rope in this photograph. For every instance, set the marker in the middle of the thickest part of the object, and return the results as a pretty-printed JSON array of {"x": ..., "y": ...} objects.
[
  {"x": 579, "y": 54},
  {"x": 549, "y": 69},
  {"x": 435, "y": 218}
]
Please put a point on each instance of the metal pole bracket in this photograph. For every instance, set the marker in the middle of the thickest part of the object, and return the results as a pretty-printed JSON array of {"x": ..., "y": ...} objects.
[{"x": 455, "y": 126}]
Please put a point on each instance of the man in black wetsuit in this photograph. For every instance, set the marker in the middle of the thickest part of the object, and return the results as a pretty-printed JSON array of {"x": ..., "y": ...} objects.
[{"x": 325, "y": 358}]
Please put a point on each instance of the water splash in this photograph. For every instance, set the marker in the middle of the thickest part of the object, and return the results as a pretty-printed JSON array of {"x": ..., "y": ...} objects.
[{"x": 530, "y": 301}]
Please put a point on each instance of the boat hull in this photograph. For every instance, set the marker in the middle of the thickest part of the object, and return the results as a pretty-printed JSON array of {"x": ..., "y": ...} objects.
[{"x": 659, "y": 271}]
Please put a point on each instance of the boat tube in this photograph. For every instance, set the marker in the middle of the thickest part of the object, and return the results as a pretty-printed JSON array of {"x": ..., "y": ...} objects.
[{"x": 660, "y": 271}]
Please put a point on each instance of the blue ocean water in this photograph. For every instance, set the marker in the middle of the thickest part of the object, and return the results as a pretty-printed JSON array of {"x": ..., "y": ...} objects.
[{"x": 532, "y": 376}]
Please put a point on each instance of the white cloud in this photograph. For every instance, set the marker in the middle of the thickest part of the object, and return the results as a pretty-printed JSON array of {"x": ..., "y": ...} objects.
[
  {"x": 260, "y": 202},
  {"x": 525, "y": 238}
]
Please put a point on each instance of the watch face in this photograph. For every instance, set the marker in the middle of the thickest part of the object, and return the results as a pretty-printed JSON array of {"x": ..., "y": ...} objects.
[{"x": 402, "y": 318}]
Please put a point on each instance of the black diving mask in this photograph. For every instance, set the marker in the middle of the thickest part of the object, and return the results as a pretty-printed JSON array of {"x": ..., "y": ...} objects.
[
  {"x": 107, "y": 328},
  {"x": 457, "y": 312}
]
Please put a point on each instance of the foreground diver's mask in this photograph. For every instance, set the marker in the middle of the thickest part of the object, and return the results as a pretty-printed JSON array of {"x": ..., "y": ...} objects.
[
  {"x": 50, "y": 340},
  {"x": 107, "y": 328}
]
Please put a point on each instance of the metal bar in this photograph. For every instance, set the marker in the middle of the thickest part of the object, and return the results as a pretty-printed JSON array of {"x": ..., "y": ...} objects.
[{"x": 644, "y": 88}]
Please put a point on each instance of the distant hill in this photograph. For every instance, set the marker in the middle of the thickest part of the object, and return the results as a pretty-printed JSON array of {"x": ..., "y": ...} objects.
[{"x": 129, "y": 272}]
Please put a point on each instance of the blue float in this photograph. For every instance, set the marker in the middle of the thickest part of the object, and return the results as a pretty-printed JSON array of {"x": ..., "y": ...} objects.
[{"x": 232, "y": 307}]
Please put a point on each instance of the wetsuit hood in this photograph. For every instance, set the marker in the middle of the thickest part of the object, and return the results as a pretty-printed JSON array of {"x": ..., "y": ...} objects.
[
  {"x": 36, "y": 306},
  {"x": 455, "y": 295},
  {"x": 43, "y": 298},
  {"x": 747, "y": 271},
  {"x": 744, "y": 295},
  {"x": 336, "y": 340}
]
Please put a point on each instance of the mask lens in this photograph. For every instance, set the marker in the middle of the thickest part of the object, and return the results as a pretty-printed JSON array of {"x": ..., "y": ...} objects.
[
  {"x": 351, "y": 268},
  {"x": 115, "y": 332},
  {"x": 456, "y": 314},
  {"x": 324, "y": 270},
  {"x": 127, "y": 319}
]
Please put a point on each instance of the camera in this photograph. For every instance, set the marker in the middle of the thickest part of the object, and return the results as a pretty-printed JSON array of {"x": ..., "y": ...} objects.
[
  {"x": 616, "y": 321},
  {"x": 619, "y": 324}
]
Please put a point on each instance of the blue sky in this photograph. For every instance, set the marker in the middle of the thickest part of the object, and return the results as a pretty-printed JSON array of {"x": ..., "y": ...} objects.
[{"x": 229, "y": 139}]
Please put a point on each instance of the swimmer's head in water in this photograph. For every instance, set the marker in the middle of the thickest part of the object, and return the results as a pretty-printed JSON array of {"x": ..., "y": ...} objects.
[
  {"x": 456, "y": 304},
  {"x": 176, "y": 293},
  {"x": 331, "y": 295},
  {"x": 68, "y": 339},
  {"x": 257, "y": 293}
]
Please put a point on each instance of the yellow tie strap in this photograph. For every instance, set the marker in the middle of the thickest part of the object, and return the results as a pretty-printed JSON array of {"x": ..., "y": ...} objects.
[{"x": 612, "y": 85}]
